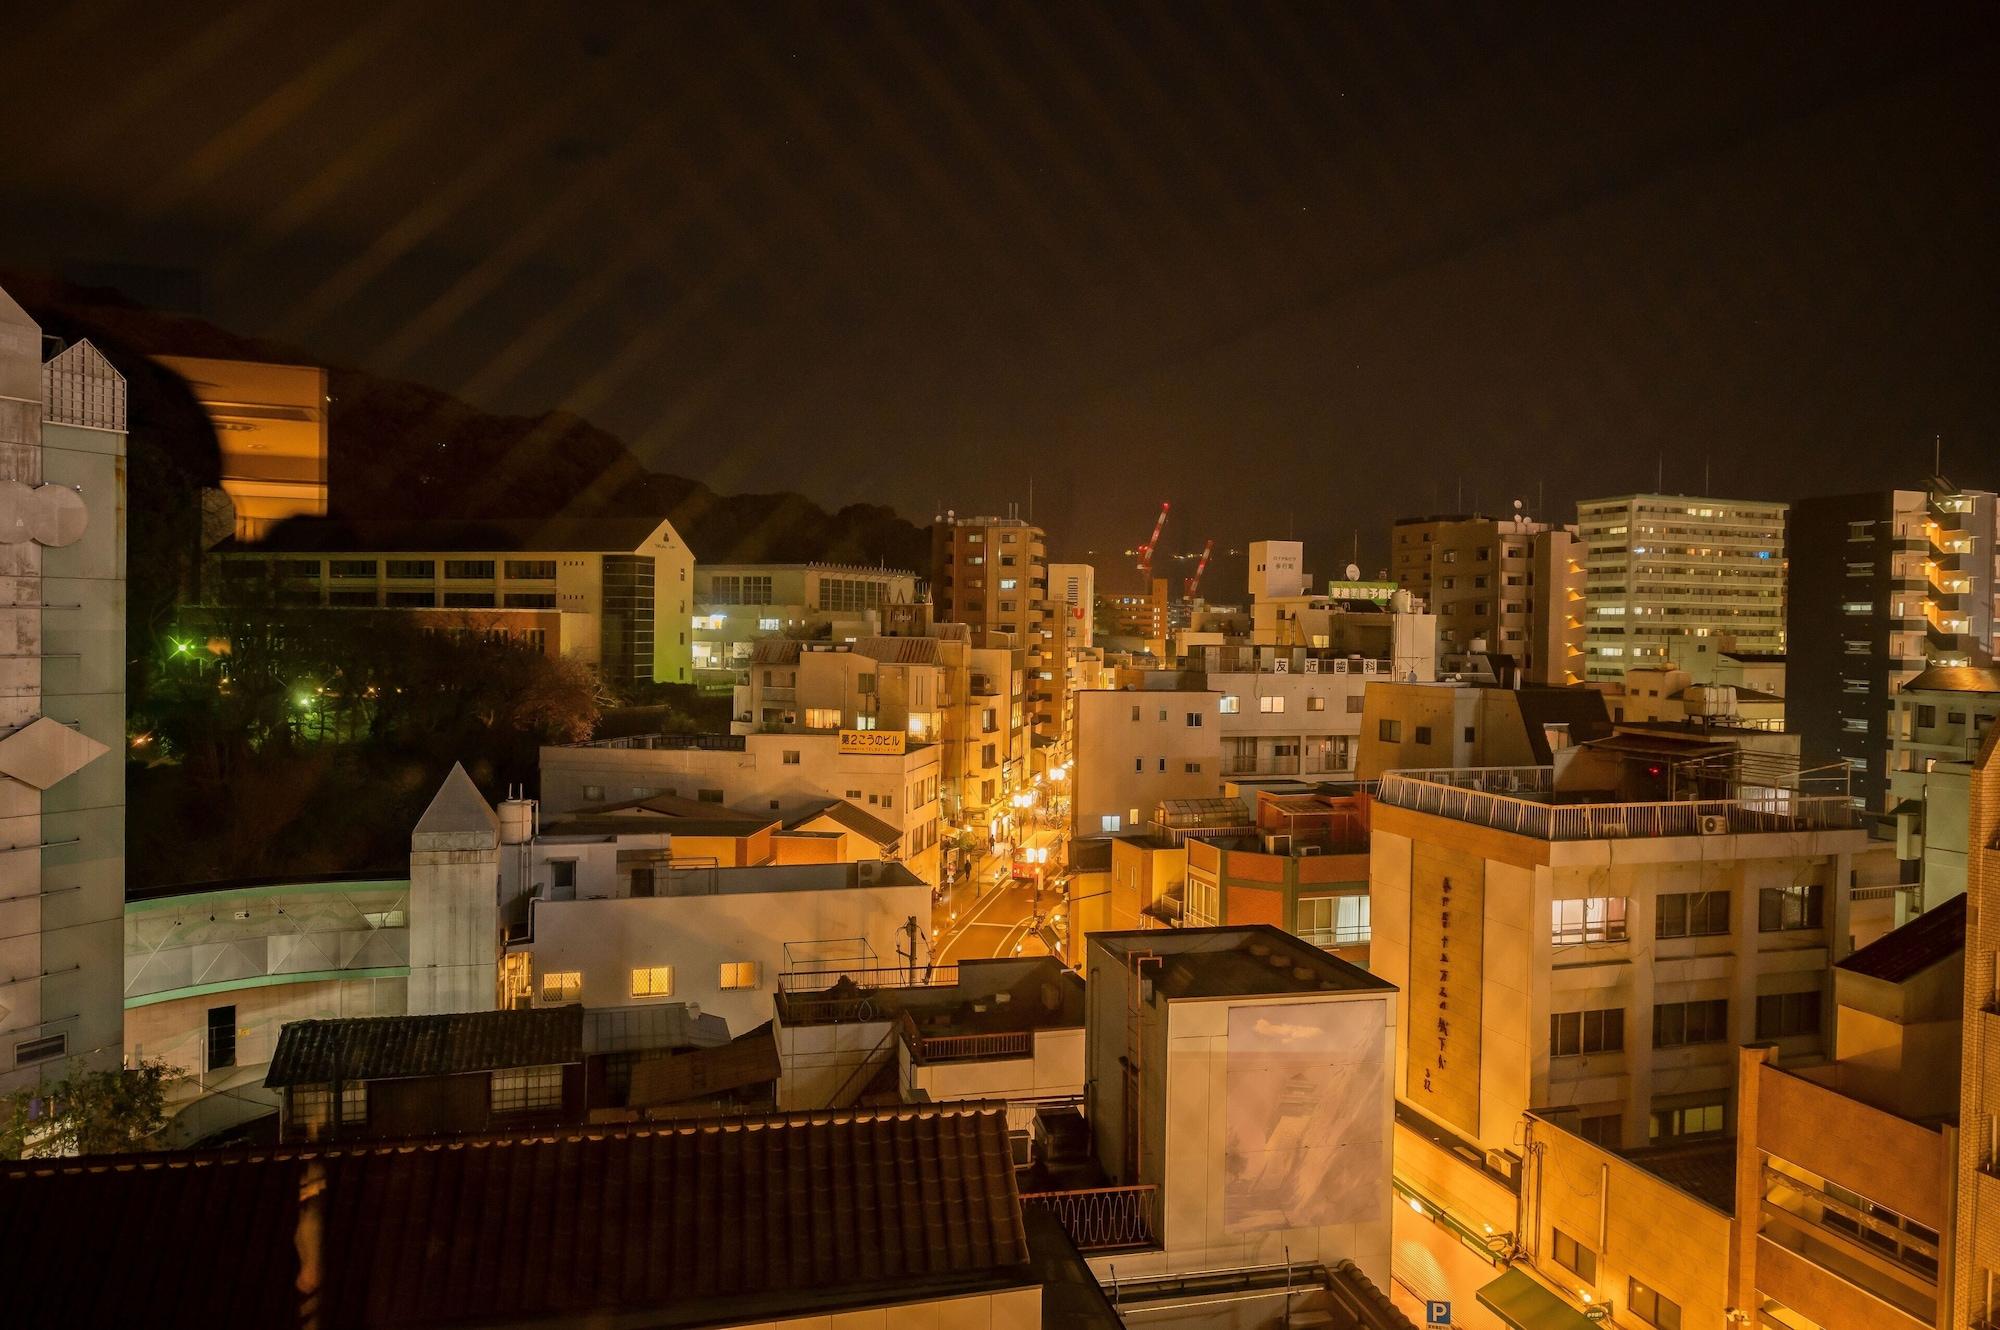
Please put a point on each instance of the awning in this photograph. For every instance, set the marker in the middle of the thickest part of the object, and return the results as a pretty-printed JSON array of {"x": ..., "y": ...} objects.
[{"x": 1522, "y": 1303}]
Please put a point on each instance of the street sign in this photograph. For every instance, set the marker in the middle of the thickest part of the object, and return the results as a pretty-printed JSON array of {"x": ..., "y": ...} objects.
[{"x": 1437, "y": 1313}]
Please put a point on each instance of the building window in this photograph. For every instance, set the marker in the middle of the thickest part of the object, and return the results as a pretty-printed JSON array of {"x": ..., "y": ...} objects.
[
  {"x": 641, "y": 883},
  {"x": 529, "y": 600},
  {"x": 708, "y": 796},
  {"x": 1191, "y": 768},
  {"x": 593, "y": 794},
  {"x": 822, "y": 718},
  {"x": 1790, "y": 909},
  {"x": 527, "y": 1089},
  {"x": 1677, "y": 1122},
  {"x": 1315, "y": 703},
  {"x": 562, "y": 879},
  {"x": 468, "y": 600},
  {"x": 468, "y": 570},
  {"x": 351, "y": 568},
  {"x": 653, "y": 981},
  {"x": 40, "y": 1050},
  {"x": 1194, "y": 720},
  {"x": 1605, "y": 1129},
  {"x": 1203, "y": 904},
  {"x": 531, "y": 570},
  {"x": 1650, "y": 1307},
  {"x": 739, "y": 974},
  {"x": 1590, "y": 919},
  {"x": 1271, "y": 705},
  {"x": 354, "y": 1101},
  {"x": 1389, "y": 731},
  {"x": 1679, "y": 1023},
  {"x": 791, "y": 757},
  {"x": 424, "y": 568},
  {"x": 1231, "y": 704},
  {"x": 1135, "y": 712},
  {"x": 1786, "y": 1015},
  {"x": 1573, "y": 1256},
  {"x": 1575, "y": 1033},
  {"x": 1354, "y": 704},
  {"x": 1423, "y": 734},
  {"x": 1110, "y": 822},
  {"x": 221, "y": 1037},
  {"x": 562, "y": 986},
  {"x": 1692, "y": 914},
  {"x": 1334, "y": 921}
]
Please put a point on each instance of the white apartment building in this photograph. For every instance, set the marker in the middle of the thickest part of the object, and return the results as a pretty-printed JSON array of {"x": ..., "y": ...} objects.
[
  {"x": 788, "y": 776},
  {"x": 1662, "y": 568},
  {"x": 1073, "y": 597},
  {"x": 62, "y": 692},
  {"x": 1135, "y": 747},
  {"x": 737, "y": 605},
  {"x": 1942, "y": 718}
]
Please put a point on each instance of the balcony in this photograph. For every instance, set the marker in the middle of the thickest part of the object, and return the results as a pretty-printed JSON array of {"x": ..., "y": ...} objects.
[
  {"x": 936, "y": 1049},
  {"x": 1523, "y": 800},
  {"x": 1102, "y": 1218}
]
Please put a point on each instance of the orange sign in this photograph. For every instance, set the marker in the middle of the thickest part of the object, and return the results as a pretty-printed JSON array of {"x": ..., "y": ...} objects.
[{"x": 873, "y": 741}]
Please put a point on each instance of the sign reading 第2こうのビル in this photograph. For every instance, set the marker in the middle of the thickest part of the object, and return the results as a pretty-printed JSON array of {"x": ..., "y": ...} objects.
[{"x": 872, "y": 741}]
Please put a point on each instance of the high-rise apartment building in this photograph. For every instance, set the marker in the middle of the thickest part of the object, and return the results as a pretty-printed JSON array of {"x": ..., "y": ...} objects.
[
  {"x": 1879, "y": 588},
  {"x": 1664, "y": 568},
  {"x": 62, "y": 707},
  {"x": 1513, "y": 584},
  {"x": 1976, "y": 1228},
  {"x": 992, "y": 574}
]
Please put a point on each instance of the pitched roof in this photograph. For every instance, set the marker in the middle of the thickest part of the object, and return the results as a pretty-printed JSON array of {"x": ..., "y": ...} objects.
[
  {"x": 1956, "y": 679},
  {"x": 774, "y": 651},
  {"x": 900, "y": 650},
  {"x": 458, "y": 808},
  {"x": 692, "y": 1224},
  {"x": 748, "y": 1059},
  {"x": 1903, "y": 953},
  {"x": 857, "y": 820},
  {"x": 383, "y": 1047}
]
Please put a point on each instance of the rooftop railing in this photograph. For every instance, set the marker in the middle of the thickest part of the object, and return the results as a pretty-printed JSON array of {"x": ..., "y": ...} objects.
[
  {"x": 1521, "y": 800},
  {"x": 721, "y": 743},
  {"x": 1101, "y": 1218}
]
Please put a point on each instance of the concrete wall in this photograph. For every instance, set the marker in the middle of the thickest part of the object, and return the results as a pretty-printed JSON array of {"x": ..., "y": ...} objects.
[
  {"x": 605, "y": 940},
  {"x": 454, "y": 922},
  {"x": 1123, "y": 765}
]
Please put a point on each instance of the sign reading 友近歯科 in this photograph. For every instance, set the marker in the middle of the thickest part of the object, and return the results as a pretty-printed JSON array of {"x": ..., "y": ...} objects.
[{"x": 872, "y": 741}]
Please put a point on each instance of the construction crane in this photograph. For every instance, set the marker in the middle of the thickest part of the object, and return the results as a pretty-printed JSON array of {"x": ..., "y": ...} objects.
[
  {"x": 1145, "y": 551},
  {"x": 1193, "y": 584}
]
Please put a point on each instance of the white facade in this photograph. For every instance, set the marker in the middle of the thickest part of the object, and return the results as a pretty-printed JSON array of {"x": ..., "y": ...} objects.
[
  {"x": 1135, "y": 747},
  {"x": 1073, "y": 595},
  {"x": 62, "y": 706}
]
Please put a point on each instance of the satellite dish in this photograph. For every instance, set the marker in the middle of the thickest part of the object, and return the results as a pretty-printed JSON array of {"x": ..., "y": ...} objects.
[{"x": 1353, "y": 572}]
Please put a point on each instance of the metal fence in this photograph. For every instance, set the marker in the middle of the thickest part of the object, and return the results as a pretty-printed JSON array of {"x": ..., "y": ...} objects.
[
  {"x": 1102, "y": 1218},
  {"x": 932, "y": 1049},
  {"x": 1493, "y": 797}
]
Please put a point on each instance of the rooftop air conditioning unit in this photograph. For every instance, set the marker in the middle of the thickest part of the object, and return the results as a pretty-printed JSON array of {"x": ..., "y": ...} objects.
[
  {"x": 868, "y": 872},
  {"x": 1305, "y": 850},
  {"x": 1312, "y": 665},
  {"x": 1277, "y": 843},
  {"x": 1714, "y": 824},
  {"x": 1507, "y": 1164}
]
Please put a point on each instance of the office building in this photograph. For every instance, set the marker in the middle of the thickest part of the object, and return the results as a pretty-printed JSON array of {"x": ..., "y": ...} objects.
[
  {"x": 1664, "y": 568},
  {"x": 737, "y": 605},
  {"x": 271, "y": 430},
  {"x": 1880, "y": 587},
  {"x": 1941, "y": 719},
  {"x": 1510, "y": 585},
  {"x": 613, "y": 593},
  {"x": 62, "y": 707}
]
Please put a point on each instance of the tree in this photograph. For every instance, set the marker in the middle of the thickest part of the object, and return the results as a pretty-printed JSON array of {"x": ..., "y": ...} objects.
[{"x": 88, "y": 1112}]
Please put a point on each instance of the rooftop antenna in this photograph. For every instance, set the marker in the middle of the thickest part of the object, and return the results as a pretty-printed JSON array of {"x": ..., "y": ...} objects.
[
  {"x": 1937, "y": 454},
  {"x": 1660, "y": 475},
  {"x": 1031, "y": 499}
]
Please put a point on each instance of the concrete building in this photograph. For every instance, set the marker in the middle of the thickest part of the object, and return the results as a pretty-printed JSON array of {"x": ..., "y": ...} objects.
[
  {"x": 1600, "y": 938},
  {"x": 1509, "y": 585},
  {"x": 939, "y": 688},
  {"x": 1137, "y": 747},
  {"x": 1941, "y": 719},
  {"x": 1451, "y": 725},
  {"x": 1247, "y": 1043},
  {"x": 1073, "y": 595},
  {"x": 1141, "y": 624},
  {"x": 737, "y": 605},
  {"x": 271, "y": 429},
  {"x": 613, "y": 593},
  {"x": 1663, "y": 568},
  {"x": 1879, "y": 587},
  {"x": 1285, "y": 612},
  {"x": 992, "y": 574},
  {"x": 789, "y": 776},
  {"x": 1669, "y": 693},
  {"x": 62, "y": 706},
  {"x": 1975, "y": 1263}
]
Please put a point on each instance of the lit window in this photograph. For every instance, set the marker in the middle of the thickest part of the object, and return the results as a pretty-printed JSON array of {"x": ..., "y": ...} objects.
[
  {"x": 1110, "y": 822},
  {"x": 1271, "y": 705},
  {"x": 739, "y": 974},
  {"x": 1231, "y": 704},
  {"x": 653, "y": 981},
  {"x": 560, "y": 986},
  {"x": 1592, "y": 919},
  {"x": 769, "y": 625},
  {"x": 527, "y": 1089}
]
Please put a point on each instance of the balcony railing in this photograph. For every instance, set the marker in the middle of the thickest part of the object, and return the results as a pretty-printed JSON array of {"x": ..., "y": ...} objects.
[
  {"x": 1492, "y": 797},
  {"x": 930, "y": 1050},
  {"x": 1102, "y": 1218}
]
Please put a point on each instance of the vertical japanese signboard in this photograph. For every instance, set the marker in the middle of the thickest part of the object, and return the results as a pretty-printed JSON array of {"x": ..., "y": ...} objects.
[{"x": 1447, "y": 931}]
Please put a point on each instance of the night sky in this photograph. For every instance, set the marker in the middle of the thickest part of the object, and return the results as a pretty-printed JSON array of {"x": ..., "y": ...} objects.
[{"x": 1299, "y": 268}]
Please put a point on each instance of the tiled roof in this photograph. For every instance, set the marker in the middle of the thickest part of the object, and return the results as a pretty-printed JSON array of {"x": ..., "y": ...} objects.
[
  {"x": 1956, "y": 679},
  {"x": 383, "y": 1047},
  {"x": 775, "y": 651},
  {"x": 900, "y": 650},
  {"x": 721, "y": 1221},
  {"x": 1902, "y": 953},
  {"x": 857, "y": 820}
]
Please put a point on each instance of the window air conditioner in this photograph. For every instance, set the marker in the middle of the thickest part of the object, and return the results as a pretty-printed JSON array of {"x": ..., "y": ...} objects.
[{"x": 1714, "y": 824}]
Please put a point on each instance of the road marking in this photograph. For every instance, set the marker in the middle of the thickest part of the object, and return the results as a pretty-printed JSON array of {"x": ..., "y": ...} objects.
[{"x": 978, "y": 908}]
